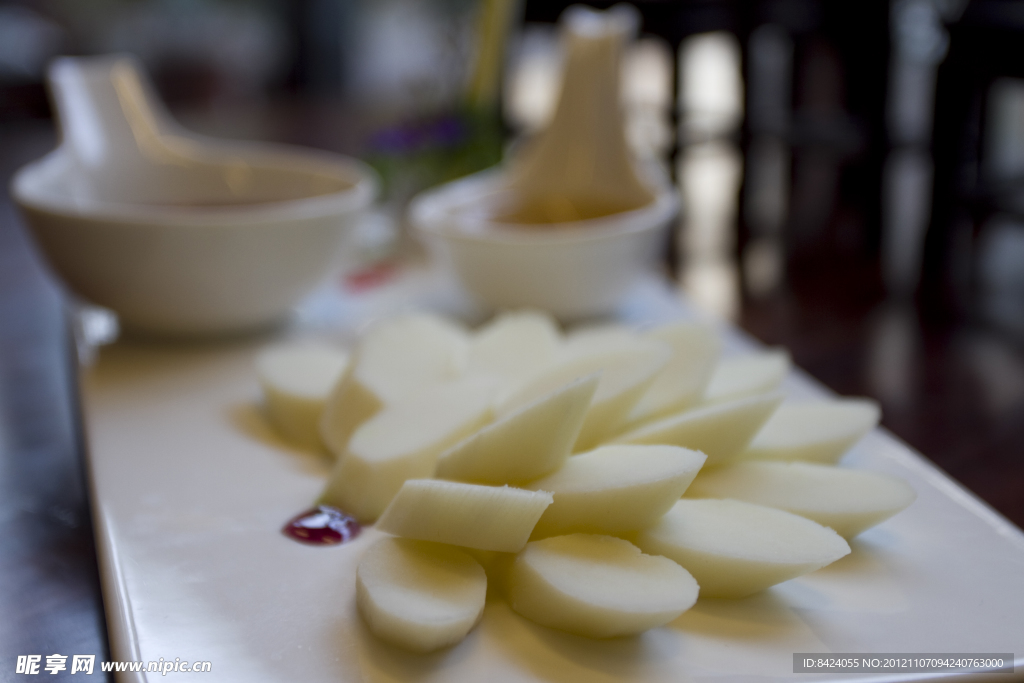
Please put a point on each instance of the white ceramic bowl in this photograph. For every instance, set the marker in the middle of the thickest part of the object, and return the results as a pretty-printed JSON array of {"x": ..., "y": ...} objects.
[
  {"x": 178, "y": 234},
  {"x": 574, "y": 270}
]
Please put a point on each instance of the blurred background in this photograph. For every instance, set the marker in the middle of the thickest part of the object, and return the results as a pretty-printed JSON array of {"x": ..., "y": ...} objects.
[{"x": 852, "y": 172}]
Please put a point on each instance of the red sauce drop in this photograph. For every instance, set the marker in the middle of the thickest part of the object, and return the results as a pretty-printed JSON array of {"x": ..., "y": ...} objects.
[
  {"x": 322, "y": 525},
  {"x": 370, "y": 277}
]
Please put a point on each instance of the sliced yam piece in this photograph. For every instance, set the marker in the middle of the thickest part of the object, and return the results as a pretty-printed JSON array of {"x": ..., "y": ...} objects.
[
  {"x": 498, "y": 567},
  {"x": 525, "y": 444},
  {"x": 419, "y": 595},
  {"x": 597, "y": 586},
  {"x": 484, "y": 557},
  {"x": 747, "y": 375},
  {"x": 403, "y": 441},
  {"x": 681, "y": 383},
  {"x": 484, "y": 517},
  {"x": 615, "y": 489},
  {"x": 735, "y": 549},
  {"x": 847, "y": 501},
  {"x": 720, "y": 431},
  {"x": 591, "y": 338},
  {"x": 395, "y": 358},
  {"x": 297, "y": 379},
  {"x": 514, "y": 345},
  {"x": 819, "y": 431},
  {"x": 626, "y": 371}
]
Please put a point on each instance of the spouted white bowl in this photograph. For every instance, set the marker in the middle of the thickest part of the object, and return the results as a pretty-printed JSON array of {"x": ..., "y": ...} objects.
[
  {"x": 180, "y": 235},
  {"x": 574, "y": 270}
]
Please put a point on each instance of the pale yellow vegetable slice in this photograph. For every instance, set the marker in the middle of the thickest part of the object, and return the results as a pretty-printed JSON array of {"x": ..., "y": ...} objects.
[
  {"x": 681, "y": 383},
  {"x": 720, "y": 431},
  {"x": 847, "y": 501},
  {"x": 484, "y": 517},
  {"x": 597, "y": 586},
  {"x": 497, "y": 566},
  {"x": 747, "y": 375},
  {"x": 591, "y": 338},
  {"x": 820, "y": 431},
  {"x": 297, "y": 379},
  {"x": 419, "y": 595},
  {"x": 615, "y": 489},
  {"x": 626, "y": 370},
  {"x": 514, "y": 345},
  {"x": 523, "y": 445},
  {"x": 735, "y": 549},
  {"x": 403, "y": 441},
  {"x": 395, "y": 358}
]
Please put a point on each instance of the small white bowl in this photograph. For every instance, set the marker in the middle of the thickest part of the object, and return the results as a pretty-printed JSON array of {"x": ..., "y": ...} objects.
[
  {"x": 178, "y": 234},
  {"x": 574, "y": 270}
]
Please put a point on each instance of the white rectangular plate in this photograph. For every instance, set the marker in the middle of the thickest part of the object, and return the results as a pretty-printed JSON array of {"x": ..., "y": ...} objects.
[{"x": 191, "y": 489}]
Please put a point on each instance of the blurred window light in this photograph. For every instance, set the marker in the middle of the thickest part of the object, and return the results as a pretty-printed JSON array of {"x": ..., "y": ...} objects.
[
  {"x": 27, "y": 42},
  {"x": 998, "y": 370},
  {"x": 534, "y": 78},
  {"x": 907, "y": 180},
  {"x": 910, "y": 102},
  {"x": 763, "y": 265},
  {"x": 893, "y": 350},
  {"x": 709, "y": 177},
  {"x": 1004, "y": 130},
  {"x": 710, "y": 170},
  {"x": 917, "y": 31},
  {"x": 410, "y": 55},
  {"x": 920, "y": 42},
  {"x": 767, "y": 184},
  {"x": 647, "y": 74},
  {"x": 713, "y": 287},
  {"x": 1000, "y": 276},
  {"x": 711, "y": 83},
  {"x": 647, "y": 96},
  {"x": 770, "y": 64}
]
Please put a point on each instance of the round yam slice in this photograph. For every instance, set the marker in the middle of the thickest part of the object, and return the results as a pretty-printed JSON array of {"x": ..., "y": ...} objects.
[
  {"x": 395, "y": 358},
  {"x": 847, "y": 501},
  {"x": 597, "y": 586},
  {"x": 513, "y": 345},
  {"x": 419, "y": 595},
  {"x": 735, "y": 549},
  {"x": 297, "y": 379}
]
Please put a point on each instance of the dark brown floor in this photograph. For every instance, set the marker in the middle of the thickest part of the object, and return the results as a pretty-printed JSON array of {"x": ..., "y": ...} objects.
[{"x": 955, "y": 392}]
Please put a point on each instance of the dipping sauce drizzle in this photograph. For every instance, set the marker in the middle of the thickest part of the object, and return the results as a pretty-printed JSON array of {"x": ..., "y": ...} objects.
[{"x": 322, "y": 525}]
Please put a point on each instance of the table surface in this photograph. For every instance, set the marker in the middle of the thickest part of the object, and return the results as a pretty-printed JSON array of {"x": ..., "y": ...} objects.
[
  {"x": 172, "y": 550},
  {"x": 960, "y": 402}
]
